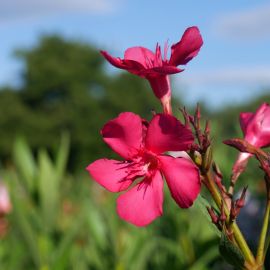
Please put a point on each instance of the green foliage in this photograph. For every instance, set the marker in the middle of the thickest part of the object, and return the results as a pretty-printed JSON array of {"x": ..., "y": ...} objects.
[{"x": 58, "y": 222}]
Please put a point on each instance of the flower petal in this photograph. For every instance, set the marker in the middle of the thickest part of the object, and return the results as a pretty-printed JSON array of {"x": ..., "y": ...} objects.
[
  {"x": 143, "y": 203},
  {"x": 124, "y": 134},
  {"x": 183, "y": 179},
  {"x": 240, "y": 164},
  {"x": 129, "y": 65},
  {"x": 187, "y": 48},
  {"x": 245, "y": 117},
  {"x": 166, "y": 133},
  {"x": 262, "y": 117},
  {"x": 141, "y": 55},
  {"x": 115, "y": 61},
  {"x": 111, "y": 174},
  {"x": 164, "y": 70},
  {"x": 256, "y": 126}
]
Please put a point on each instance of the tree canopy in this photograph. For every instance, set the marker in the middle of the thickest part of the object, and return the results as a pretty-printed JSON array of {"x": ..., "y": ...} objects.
[{"x": 65, "y": 88}]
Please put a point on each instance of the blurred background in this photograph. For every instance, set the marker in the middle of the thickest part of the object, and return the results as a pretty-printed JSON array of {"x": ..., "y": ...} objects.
[{"x": 56, "y": 93}]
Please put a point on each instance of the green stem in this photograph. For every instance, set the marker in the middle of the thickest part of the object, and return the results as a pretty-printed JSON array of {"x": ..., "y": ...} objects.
[
  {"x": 236, "y": 231},
  {"x": 267, "y": 243},
  {"x": 261, "y": 246}
]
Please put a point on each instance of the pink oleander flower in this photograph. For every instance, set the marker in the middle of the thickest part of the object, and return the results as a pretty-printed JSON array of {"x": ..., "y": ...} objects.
[
  {"x": 150, "y": 65},
  {"x": 256, "y": 130},
  {"x": 5, "y": 204},
  {"x": 142, "y": 145}
]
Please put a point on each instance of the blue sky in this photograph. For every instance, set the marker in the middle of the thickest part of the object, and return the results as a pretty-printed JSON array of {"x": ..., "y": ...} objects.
[{"x": 233, "y": 65}]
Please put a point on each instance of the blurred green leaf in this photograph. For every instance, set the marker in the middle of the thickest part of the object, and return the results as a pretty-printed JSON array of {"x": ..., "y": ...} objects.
[
  {"x": 26, "y": 230},
  {"x": 201, "y": 205},
  {"x": 25, "y": 162},
  {"x": 230, "y": 252},
  {"x": 48, "y": 189},
  {"x": 62, "y": 156}
]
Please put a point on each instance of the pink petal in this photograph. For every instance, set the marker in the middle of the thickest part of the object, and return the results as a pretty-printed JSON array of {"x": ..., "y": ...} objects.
[
  {"x": 141, "y": 55},
  {"x": 262, "y": 117},
  {"x": 129, "y": 65},
  {"x": 115, "y": 61},
  {"x": 164, "y": 70},
  {"x": 111, "y": 174},
  {"x": 257, "y": 129},
  {"x": 143, "y": 203},
  {"x": 240, "y": 164},
  {"x": 124, "y": 134},
  {"x": 183, "y": 179},
  {"x": 245, "y": 117},
  {"x": 166, "y": 133},
  {"x": 187, "y": 48}
]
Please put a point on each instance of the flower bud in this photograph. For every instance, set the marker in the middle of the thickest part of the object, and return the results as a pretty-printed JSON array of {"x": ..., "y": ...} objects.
[
  {"x": 208, "y": 158},
  {"x": 222, "y": 216},
  {"x": 197, "y": 158},
  {"x": 212, "y": 214}
]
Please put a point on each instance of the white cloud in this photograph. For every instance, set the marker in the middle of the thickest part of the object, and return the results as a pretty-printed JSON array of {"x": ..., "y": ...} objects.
[
  {"x": 246, "y": 24},
  {"x": 17, "y": 9},
  {"x": 252, "y": 76}
]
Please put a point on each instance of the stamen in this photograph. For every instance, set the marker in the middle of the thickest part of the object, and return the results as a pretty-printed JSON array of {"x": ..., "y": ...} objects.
[
  {"x": 158, "y": 57},
  {"x": 166, "y": 47}
]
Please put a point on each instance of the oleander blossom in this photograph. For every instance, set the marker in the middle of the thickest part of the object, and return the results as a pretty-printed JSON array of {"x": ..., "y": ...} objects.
[
  {"x": 5, "y": 204},
  {"x": 256, "y": 130},
  {"x": 151, "y": 66},
  {"x": 143, "y": 145}
]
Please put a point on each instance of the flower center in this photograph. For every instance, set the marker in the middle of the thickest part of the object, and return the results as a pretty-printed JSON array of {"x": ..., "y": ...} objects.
[{"x": 150, "y": 160}]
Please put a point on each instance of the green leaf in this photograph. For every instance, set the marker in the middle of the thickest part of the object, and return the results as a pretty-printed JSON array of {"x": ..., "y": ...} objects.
[
  {"x": 48, "y": 189},
  {"x": 62, "y": 156},
  {"x": 60, "y": 258},
  {"x": 230, "y": 252},
  {"x": 25, "y": 162},
  {"x": 96, "y": 226},
  {"x": 27, "y": 231},
  {"x": 200, "y": 205}
]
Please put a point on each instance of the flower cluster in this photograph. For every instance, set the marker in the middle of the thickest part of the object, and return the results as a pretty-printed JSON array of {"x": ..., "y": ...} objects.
[
  {"x": 143, "y": 145},
  {"x": 146, "y": 163}
]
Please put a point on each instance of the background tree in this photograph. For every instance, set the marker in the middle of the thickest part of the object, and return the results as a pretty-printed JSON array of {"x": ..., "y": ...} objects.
[{"x": 65, "y": 87}]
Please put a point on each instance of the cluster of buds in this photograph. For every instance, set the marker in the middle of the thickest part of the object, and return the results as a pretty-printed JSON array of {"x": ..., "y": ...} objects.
[
  {"x": 237, "y": 205},
  {"x": 212, "y": 178},
  {"x": 201, "y": 151},
  {"x": 218, "y": 219},
  {"x": 203, "y": 136}
]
